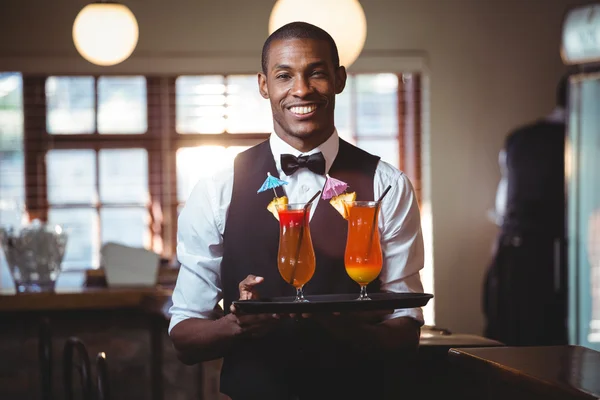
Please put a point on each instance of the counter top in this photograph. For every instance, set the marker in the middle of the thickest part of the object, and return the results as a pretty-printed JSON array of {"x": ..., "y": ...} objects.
[
  {"x": 568, "y": 371},
  {"x": 149, "y": 299},
  {"x": 435, "y": 338}
]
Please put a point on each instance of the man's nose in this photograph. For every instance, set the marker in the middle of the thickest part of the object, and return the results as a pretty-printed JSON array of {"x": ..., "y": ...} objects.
[{"x": 301, "y": 86}]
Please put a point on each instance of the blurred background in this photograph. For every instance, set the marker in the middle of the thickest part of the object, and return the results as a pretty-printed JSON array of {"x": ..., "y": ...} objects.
[{"x": 111, "y": 152}]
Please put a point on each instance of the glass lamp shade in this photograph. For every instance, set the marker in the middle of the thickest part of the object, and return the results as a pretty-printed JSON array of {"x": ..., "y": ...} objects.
[
  {"x": 344, "y": 20},
  {"x": 105, "y": 33}
]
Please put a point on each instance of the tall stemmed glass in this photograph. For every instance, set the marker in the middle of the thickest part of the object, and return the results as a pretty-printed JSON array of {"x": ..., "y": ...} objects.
[
  {"x": 363, "y": 257},
  {"x": 296, "y": 255}
]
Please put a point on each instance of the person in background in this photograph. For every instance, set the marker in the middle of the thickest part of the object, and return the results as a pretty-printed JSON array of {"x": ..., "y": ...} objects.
[
  {"x": 228, "y": 241},
  {"x": 525, "y": 289}
]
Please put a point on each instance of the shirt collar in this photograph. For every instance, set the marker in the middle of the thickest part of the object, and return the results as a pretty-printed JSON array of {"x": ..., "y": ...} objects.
[{"x": 329, "y": 148}]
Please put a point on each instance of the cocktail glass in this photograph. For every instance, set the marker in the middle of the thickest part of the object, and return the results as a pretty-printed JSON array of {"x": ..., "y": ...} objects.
[
  {"x": 296, "y": 255},
  {"x": 363, "y": 258}
]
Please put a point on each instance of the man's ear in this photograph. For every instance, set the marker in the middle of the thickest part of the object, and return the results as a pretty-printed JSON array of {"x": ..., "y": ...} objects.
[
  {"x": 340, "y": 79},
  {"x": 262, "y": 85}
]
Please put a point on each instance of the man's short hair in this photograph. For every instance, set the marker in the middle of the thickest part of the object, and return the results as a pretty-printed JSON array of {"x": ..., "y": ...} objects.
[{"x": 299, "y": 30}]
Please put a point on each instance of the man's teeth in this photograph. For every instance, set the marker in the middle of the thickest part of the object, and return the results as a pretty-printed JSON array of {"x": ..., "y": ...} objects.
[{"x": 303, "y": 110}]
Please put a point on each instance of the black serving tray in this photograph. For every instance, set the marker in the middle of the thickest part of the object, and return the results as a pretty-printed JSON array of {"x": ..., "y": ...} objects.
[{"x": 333, "y": 303}]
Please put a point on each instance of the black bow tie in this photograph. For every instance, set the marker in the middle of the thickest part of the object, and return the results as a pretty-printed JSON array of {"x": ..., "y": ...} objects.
[{"x": 314, "y": 162}]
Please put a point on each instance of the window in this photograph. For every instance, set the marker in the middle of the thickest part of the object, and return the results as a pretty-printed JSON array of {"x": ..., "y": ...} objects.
[
  {"x": 113, "y": 158},
  {"x": 194, "y": 162},
  {"x": 218, "y": 104},
  {"x": 216, "y": 117},
  {"x": 71, "y": 105},
  {"x": 94, "y": 155},
  {"x": 96, "y": 200},
  {"x": 12, "y": 182},
  {"x": 367, "y": 114}
]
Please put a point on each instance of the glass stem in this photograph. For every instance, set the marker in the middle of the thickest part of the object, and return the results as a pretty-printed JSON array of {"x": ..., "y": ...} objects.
[
  {"x": 300, "y": 294},
  {"x": 363, "y": 293}
]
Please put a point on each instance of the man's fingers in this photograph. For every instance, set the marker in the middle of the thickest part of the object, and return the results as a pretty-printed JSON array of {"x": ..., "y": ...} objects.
[
  {"x": 247, "y": 287},
  {"x": 249, "y": 283}
]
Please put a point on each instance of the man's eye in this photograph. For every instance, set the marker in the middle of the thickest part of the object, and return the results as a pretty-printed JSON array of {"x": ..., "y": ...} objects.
[
  {"x": 282, "y": 76},
  {"x": 318, "y": 73}
]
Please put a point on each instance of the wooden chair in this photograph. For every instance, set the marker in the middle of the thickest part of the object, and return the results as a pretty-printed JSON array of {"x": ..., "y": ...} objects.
[
  {"x": 74, "y": 347},
  {"x": 102, "y": 388}
]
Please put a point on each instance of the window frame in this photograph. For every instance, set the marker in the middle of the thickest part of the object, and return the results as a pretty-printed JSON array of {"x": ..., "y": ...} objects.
[{"x": 162, "y": 141}]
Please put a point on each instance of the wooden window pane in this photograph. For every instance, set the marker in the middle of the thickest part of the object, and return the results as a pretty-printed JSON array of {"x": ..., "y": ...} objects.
[
  {"x": 200, "y": 104},
  {"x": 81, "y": 225},
  {"x": 71, "y": 177},
  {"x": 127, "y": 226},
  {"x": 124, "y": 176},
  {"x": 70, "y": 103},
  {"x": 196, "y": 162},
  {"x": 377, "y": 105},
  {"x": 247, "y": 111},
  {"x": 122, "y": 105},
  {"x": 12, "y": 170}
]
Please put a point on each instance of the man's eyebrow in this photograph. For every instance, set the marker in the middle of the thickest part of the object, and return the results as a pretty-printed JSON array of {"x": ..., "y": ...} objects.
[
  {"x": 317, "y": 64},
  {"x": 311, "y": 65}
]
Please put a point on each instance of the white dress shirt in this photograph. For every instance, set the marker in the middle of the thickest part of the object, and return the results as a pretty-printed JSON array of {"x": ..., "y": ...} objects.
[{"x": 202, "y": 223}]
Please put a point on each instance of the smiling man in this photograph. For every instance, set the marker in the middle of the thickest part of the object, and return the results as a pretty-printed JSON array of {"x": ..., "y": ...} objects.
[
  {"x": 301, "y": 78},
  {"x": 228, "y": 242}
]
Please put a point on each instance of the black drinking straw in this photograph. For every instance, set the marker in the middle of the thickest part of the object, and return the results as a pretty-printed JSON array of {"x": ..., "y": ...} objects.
[
  {"x": 387, "y": 189},
  {"x": 293, "y": 275}
]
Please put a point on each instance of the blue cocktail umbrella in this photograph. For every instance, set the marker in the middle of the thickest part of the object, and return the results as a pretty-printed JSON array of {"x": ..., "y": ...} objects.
[{"x": 271, "y": 183}]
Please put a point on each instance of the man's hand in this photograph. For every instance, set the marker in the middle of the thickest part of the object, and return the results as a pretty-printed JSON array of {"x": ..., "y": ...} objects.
[
  {"x": 197, "y": 340},
  {"x": 254, "y": 325},
  {"x": 248, "y": 287}
]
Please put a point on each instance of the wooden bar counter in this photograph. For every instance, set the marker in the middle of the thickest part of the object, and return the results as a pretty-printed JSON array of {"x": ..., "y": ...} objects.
[
  {"x": 146, "y": 299},
  {"x": 129, "y": 325},
  {"x": 515, "y": 373}
]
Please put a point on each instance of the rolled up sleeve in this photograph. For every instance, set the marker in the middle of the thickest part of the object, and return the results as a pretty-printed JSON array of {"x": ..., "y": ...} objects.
[
  {"x": 199, "y": 251},
  {"x": 401, "y": 238}
]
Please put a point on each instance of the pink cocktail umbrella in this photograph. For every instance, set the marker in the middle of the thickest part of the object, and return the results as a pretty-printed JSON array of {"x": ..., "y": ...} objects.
[{"x": 333, "y": 187}]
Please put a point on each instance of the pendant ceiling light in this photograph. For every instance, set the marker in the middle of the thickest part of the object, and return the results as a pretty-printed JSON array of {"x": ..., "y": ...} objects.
[
  {"x": 105, "y": 33},
  {"x": 344, "y": 20}
]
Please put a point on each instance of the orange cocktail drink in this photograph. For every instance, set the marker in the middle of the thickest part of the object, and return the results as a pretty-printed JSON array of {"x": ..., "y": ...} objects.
[
  {"x": 363, "y": 258},
  {"x": 296, "y": 255}
]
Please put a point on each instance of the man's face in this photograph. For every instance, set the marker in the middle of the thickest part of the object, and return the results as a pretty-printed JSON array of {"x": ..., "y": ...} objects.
[{"x": 301, "y": 83}]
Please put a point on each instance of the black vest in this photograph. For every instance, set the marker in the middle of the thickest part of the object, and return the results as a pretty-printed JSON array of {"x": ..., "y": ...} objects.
[
  {"x": 251, "y": 241},
  {"x": 535, "y": 200}
]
